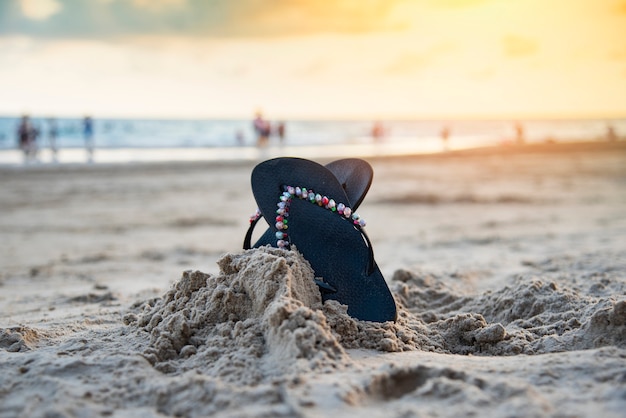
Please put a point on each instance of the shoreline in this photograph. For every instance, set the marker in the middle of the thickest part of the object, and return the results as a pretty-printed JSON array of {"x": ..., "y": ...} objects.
[{"x": 200, "y": 156}]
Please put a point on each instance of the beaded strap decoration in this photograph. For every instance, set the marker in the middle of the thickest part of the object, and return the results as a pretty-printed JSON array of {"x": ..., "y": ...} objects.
[{"x": 303, "y": 193}]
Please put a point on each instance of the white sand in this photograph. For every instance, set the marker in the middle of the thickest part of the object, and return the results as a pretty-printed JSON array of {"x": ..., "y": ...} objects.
[{"x": 508, "y": 266}]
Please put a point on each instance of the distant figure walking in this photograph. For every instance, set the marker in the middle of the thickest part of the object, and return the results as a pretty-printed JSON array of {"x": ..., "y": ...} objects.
[
  {"x": 378, "y": 131},
  {"x": 280, "y": 131},
  {"x": 27, "y": 138},
  {"x": 262, "y": 129},
  {"x": 519, "y": 133},
  {"x": 239, "y": 137},
  {"x": 53, "y": 133},
  {"x": 88, "y": 135},
  {"x": 611, "y": 135},
  {"x": 445, "y": 134}
]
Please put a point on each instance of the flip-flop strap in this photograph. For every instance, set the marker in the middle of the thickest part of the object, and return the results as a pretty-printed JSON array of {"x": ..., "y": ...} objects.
[
  {"x": 323, "y": 201},
  {"x": 248, "y": 238},
  {"x": 371, "y": 264},
  {"x": 282, "y": 217}
]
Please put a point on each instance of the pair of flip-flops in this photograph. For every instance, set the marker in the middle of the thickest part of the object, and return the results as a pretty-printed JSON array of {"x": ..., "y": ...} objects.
[{"x": 313, "y": 207}]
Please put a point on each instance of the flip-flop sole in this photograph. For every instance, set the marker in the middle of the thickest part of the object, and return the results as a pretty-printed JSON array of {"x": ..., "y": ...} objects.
[
  {"x": 335, "y": 248},
  {"x": 355, "y": 176}
]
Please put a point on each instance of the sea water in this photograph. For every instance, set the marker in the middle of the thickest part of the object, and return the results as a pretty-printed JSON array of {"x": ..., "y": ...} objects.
[{"x": 142, "y": 140}]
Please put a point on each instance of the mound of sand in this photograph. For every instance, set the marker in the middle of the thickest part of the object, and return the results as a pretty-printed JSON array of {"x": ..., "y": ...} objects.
[
  {"x": 259, "y": 318},
  {"x": 255, "y": 338},
  {"x": 264, "y": 305},
  {"x": 563, "y": 305}
]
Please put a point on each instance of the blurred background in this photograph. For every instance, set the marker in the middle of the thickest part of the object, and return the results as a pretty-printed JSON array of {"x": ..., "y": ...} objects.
[{"x": 352, "y": 77}]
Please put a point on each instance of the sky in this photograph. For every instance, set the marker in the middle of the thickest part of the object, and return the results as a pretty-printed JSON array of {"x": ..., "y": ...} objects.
[{"x": 335, "y": 59}]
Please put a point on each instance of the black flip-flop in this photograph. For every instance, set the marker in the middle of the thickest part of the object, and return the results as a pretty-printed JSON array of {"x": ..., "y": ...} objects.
[
  {"x": 354, "y": 175},
  {"x": 304, "y": 204}
]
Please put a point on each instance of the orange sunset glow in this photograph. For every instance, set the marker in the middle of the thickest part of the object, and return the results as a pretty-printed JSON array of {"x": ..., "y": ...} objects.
[{"x": 309, "y": 58}]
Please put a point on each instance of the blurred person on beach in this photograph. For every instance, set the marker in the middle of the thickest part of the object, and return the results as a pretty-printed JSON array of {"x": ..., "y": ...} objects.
[
  {"x": 239, "y": 137},
  {"x": 519, "y": 133},
  {"x": 445, "y": 134},
  {"x": 378, "y": 131},
  {"x": 53, "y": 133},
  {"x": 262, "y": 129},
  {"x": 27, "y": 138},
  {"x": 611, "y": 135},
  {"x": 280, "y": 132},
  {"x": 88, "y": 136}
]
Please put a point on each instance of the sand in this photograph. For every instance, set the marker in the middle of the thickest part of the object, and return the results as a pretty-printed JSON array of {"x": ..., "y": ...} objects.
[{"x": 124, "y": 292}]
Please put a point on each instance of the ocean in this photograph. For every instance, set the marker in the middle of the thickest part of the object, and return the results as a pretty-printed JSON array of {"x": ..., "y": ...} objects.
[{"x": 136, "y": 140}]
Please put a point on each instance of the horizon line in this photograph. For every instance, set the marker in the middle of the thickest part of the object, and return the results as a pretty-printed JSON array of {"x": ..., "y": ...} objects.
[{"x": 364, "y": 117}]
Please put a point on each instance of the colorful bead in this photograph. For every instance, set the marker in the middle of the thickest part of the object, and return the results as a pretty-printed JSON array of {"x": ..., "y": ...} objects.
[
  {"x": 255, "y": 216},
  {"x": 304, "y": 193}
]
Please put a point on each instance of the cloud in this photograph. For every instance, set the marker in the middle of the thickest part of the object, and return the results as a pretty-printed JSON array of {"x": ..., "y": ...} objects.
[
  {"x": 617, "y": 54},
  {"x": 210, "y": 18},
  {"x": 455, "y": 3},
  {"x": 39, "y": 9},
  {"x": 620, "y": 9},
  {"x": 413, "y": 62},
  {"x": 408, "y": 63},
  {"x": 315, "y": 68},
  {"x": 157, "y": 5},
  {"x": 482, "y": 74},
  {"x": 516, "y": 46}
]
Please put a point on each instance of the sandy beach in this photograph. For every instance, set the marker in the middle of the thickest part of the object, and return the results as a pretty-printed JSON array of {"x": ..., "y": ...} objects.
[{"x": 124, "y": 292}]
